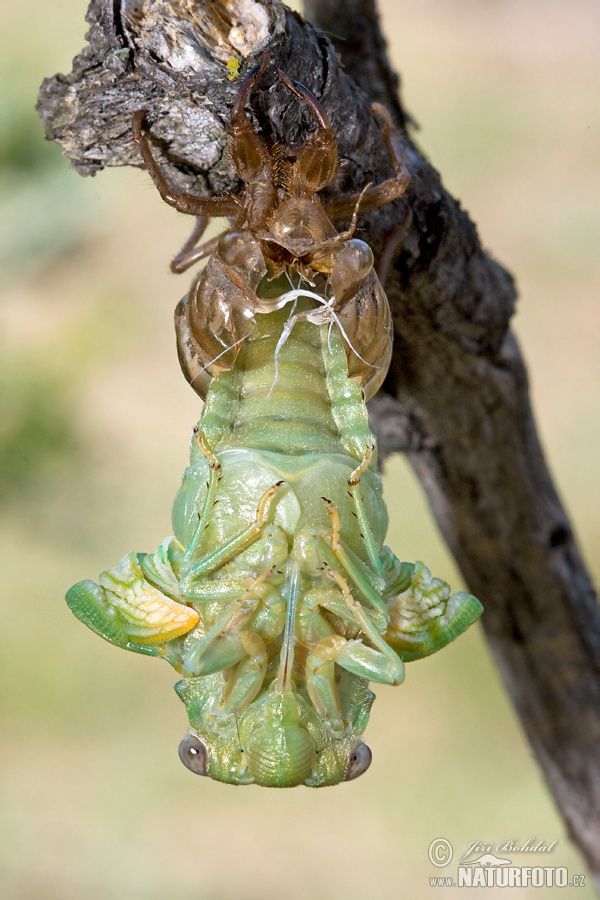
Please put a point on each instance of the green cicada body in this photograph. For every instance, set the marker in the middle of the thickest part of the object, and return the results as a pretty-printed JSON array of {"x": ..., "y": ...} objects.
[
  {"x": 289, "y": 602},
  {"x": 276, "y": 599}
]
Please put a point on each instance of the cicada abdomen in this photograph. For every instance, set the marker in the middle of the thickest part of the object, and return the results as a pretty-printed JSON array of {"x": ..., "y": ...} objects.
[{"x": 276, "y": 599}]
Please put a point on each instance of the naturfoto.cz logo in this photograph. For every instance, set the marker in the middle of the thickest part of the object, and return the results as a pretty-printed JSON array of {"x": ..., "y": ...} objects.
[{"x": 490, "y": 870}]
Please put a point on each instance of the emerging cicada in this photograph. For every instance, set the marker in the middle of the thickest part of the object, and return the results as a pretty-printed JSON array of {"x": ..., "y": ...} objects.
[{"x": 276, "y": 599}]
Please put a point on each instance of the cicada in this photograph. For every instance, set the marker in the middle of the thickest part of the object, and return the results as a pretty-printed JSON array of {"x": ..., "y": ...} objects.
[{"x": 276, "y": 599}]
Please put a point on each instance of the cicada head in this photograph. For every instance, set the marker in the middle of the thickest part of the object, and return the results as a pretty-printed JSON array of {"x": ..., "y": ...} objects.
[
  {"x": 299, "y": 225},
  {"x": 278, "y": 741}
]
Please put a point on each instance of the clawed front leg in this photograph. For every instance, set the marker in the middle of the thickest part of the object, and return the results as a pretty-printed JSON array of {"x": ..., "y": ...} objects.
[
  {"x": 353, "y": 656},
  {"x": 317, "y": 158}
]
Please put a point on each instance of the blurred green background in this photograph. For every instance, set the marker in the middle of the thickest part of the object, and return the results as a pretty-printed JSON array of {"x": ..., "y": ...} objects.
[{"x": 94, "y": 434}]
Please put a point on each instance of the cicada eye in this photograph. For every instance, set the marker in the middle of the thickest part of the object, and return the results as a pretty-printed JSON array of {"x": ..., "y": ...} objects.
[
  {"x": 192, "y": 754},
  {"x": 358, "y": 761},
  {"x": 239, "y": 248}
]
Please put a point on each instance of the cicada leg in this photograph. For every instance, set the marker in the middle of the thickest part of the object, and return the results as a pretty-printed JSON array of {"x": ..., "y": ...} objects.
[
  {"x": 227, "y": 644},
  {"x": 213, "y": 651},
  {"x": 355, "y": 569},
  {"x": 181, "y": 201},
  {"x": 267, "y": 623},
  {"x": 318, "y": 634},
  {"x": 214, "y": 476},
  {"x": 392, "y": 671},
  {"x": 365, "y": 526},
  {"x": 353, "y": 656},
  {"x": 190, "y": 253},
  {"x": 377, "y": 663},
  {"x": 194, "y": 570},
  {"x": 245, "y": 683},
  {"x": 317, "y": 158},
  {"x": 378, "y": 194},
  {"x": 248, "y": 152}
]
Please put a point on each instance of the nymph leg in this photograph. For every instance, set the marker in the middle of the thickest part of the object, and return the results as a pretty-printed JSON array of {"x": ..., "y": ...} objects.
[
  {"x": 317, "y": 158},
  {"x": 190, "y": 253},
  {"x": 181, "y": 201},
  {"x": 379, "y": 194}
]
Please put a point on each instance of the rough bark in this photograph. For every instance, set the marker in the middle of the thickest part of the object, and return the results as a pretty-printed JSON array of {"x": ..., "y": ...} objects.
[{"x": 456, "y": 399}]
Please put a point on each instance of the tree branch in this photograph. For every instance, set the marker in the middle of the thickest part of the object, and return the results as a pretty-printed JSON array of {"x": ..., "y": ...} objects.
[{"x": 457, "y": 397}]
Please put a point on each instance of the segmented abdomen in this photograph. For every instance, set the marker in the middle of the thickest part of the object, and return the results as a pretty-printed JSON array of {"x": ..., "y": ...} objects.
[{"x": 290, "y": 397}]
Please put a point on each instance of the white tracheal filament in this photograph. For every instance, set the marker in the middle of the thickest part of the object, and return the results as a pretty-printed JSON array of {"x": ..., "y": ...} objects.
[{"x": 316, "y": 316}]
